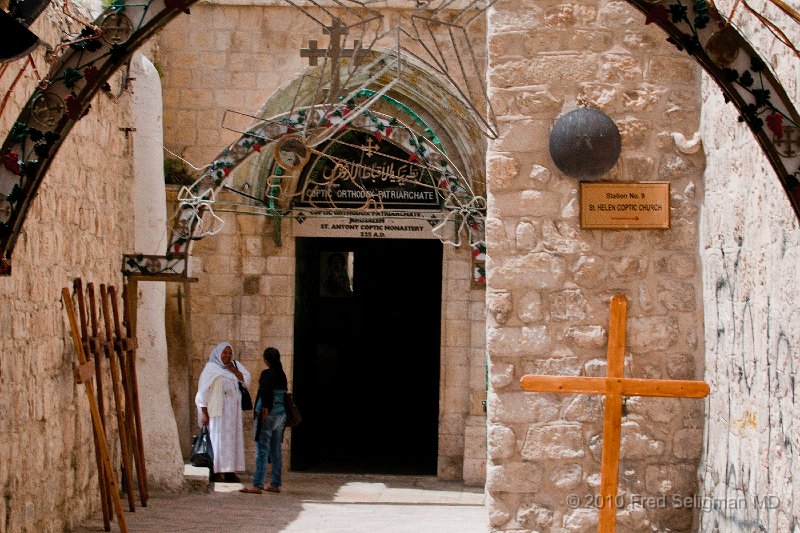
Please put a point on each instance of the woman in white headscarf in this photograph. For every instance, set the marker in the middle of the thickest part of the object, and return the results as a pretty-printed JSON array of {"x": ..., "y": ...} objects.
[{"x": 219, "y": 403}]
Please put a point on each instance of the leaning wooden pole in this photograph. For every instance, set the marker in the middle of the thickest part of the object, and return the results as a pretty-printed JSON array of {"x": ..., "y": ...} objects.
[
  {"x": 95, "y": 345},
  {"x": 129, "y": 345},
  {"x": 105, "y": 497},
  {"x": 118, "y": 398},
  {"x": 98, "y": 427}
]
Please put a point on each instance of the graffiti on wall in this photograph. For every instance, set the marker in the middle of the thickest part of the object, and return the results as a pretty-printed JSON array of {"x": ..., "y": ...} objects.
[{"x": 751, "y": 440}]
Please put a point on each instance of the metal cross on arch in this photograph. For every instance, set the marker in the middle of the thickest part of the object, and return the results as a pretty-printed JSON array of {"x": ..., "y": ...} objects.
[
  {"x": 337, "y": 30},
  {"x": 614, "y": 387}
]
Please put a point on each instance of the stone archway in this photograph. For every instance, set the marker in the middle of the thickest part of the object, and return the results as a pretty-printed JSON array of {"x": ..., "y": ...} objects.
[
  {"x": 269, "y": 318},
  {"x": 53, "y": 109},
  {"x": 460, "y": 194}
]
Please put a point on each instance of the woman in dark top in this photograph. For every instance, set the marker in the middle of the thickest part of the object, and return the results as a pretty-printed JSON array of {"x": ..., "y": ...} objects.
[{"x": 270, "y": 420}]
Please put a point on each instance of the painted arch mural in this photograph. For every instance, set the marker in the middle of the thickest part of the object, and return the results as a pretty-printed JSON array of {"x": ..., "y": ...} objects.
[{"x": 63, "y": 97}]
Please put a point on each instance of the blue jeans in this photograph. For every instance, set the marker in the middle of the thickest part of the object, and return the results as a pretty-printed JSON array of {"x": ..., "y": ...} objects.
[{"x": 268, "y": 447}]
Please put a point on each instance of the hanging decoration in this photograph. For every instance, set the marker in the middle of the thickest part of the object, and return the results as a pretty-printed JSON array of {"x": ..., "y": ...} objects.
[
  {"x": 462, "y": 218},
  {"x": 291, "y": 152},
  {"x": 83, "y": 65},
  {"x": 196, "y": 202},
  {"x": 745, "y": 79},
  {"x": 585, "y": 143}
]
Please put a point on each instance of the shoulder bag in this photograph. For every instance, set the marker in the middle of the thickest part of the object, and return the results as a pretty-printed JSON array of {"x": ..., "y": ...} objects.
[
  {"x": 292, "y": 412},
  {"x": 247, "y": 401}
]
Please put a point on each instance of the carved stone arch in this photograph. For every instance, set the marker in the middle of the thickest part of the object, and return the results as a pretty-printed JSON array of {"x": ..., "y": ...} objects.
[
  {"x": 197, "y": 200},
  {"x": 438, "y": 139},
  {"x": 460, "y": 140},
  {"x": 37, "y": 134}
]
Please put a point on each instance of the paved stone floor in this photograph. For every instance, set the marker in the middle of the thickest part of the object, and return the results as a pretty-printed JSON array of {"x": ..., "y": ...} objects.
[{"x": 316, "y": 503}]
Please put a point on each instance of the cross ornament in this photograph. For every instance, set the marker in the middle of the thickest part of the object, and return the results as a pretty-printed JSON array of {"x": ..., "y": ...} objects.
[
  {"x": 47, "y": 109},
  {"x": 116, "y": 28},
  {"x": 337, "y": 30},
  {"x": 787, "y": 145},
  {"x": 614, "y": 386}
]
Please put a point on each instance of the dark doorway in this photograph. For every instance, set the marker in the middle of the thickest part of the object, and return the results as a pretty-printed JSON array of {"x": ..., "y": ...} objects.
[{"x": 366, "y": 367}]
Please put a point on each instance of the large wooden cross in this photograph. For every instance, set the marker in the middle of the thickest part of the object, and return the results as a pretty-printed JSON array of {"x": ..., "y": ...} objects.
[{"x": 614, "y": 386}]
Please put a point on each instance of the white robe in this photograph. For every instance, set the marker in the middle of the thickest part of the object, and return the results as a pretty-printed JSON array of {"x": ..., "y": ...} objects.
[
  {"x": 225, "y": 428},
  {"x": 225, "y": 431}
]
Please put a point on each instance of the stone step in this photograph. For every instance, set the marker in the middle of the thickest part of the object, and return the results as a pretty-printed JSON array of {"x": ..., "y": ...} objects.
[{"x": 196, "y": 478}]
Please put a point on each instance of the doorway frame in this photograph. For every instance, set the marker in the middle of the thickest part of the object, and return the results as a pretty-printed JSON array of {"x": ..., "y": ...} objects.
[{"x": 309, "y": 252}]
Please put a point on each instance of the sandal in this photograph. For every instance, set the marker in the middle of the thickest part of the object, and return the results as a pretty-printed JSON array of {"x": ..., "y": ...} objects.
[
  {"x": 251, "y": 490},
  {"x": 273, "y": 488}
]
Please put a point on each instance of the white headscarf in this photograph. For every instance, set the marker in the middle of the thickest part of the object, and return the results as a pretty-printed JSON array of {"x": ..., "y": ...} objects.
[
  {"x": 216, "y": 368},
  {"x": 216, "y": 354}
]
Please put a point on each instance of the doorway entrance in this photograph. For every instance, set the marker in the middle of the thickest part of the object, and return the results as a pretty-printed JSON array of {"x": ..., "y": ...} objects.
[{"x": 366, "y": 355}]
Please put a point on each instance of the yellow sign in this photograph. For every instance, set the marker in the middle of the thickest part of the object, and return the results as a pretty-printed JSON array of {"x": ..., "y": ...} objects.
[{"x": 641, "y": 205}]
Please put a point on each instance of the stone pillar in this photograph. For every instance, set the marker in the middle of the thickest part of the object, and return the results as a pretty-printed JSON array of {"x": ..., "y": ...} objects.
[
  {"x": 550, "y": 281},
  {"x": 159, "y": 431}
]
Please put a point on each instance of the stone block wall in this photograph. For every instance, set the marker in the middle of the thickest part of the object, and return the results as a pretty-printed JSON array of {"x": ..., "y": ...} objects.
[
  {"x": 550, "y": 281},
  {"x": 237, "y": 56},
  {"x": 751, "y": 262},
  {"x": 245, "y": 296},
  {"x": 79, "y": 225},
  {"x": 225, "y": 57},
  {"x": 462, "y": 434}
]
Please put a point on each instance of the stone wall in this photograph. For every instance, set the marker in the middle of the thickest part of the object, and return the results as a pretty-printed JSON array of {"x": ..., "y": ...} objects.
[
  {"x": 751, "y": 260},
  {"x": 225, "y": 57},
  {"x": 550, "y": 282},
  {"x": 245, "y": 295},
  {"x": 462, "y": 422},
  {"x": 239, "y": 56},
  {"x": 79, "y": 225}
]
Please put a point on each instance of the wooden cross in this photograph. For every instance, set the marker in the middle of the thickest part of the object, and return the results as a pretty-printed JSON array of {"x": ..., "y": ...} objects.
[
  {"x": 100, "y": 438},
  {"x": 118, "y": 380},
  {"x": 614, "y": 386},
  {"x": 91, "y": 349},
  {"x": 337, "y": 30},
  {"x": 128, "y": 344},
  {"x": 179, "y": 297}
]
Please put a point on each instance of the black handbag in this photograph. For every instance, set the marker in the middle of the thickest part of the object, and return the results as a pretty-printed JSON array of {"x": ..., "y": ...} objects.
[
  {"x": 293, "y": 416},
  {"x": 247, "y": 401},
  {"x": 202, "y": 453}
]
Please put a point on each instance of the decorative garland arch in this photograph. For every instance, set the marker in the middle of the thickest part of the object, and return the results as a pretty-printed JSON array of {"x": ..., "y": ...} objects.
[
  {"x": 463, "y": 209},
  {"x": 63, "y": 97}
]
